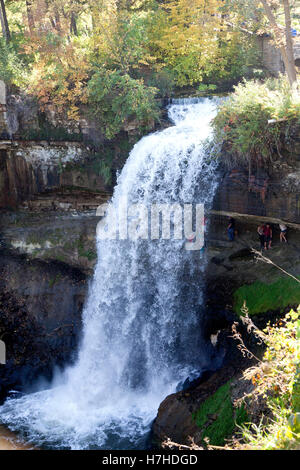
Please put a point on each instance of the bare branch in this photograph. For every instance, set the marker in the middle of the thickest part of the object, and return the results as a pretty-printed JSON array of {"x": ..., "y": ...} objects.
[{"x": 260, "y": 257}]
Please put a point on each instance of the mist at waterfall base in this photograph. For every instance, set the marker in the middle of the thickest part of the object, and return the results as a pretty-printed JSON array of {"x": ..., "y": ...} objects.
[{"x": 142, "y": 319}]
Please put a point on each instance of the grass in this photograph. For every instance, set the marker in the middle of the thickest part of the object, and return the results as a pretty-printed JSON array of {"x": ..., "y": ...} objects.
[
  {"x": 261, "y": 297},
  {"x": 220, "y": 407}
]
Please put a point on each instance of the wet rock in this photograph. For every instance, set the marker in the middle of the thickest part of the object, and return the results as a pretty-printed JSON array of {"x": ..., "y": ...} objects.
[
  {"x": 69, "y": 238},
  {"x": 175, "y": 417},
  {"x": 40, "y": 318}
]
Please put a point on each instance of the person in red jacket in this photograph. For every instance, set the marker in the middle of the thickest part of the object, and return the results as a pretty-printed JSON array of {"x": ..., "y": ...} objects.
[{"x": 268, "y": 236}]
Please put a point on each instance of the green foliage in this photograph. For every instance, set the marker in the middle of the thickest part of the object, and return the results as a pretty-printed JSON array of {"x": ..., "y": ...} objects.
[
  {"x": 219, "y": 405},
  {"x": 120, "y": 56},
  {"x": 102, "y": 164},
  {"x": 296, "y": 384},
  {"x": 117, "y": 99},
  {"x": 243, "y": 121},
  {"x": 12, "y": 66},
  {"x": 241, "y": 415},
  {"x": 248, "y": 13},
  {"x": 274, "y": 380},
  {"x": 238, "y": 57},
  {"x": 206, "y": 88},
  {"x": 163, "y": 80},
  {"x": 261, "y": 297},
  {"x": 127, "y": 44},
  {"x": 296, "y": 391},
  {"x": 105, "y": 170}
]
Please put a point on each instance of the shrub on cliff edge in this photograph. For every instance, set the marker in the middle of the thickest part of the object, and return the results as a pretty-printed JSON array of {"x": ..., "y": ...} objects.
[
  {"x": 254, "y": 121},
  {"x": 116, "y": 99}
]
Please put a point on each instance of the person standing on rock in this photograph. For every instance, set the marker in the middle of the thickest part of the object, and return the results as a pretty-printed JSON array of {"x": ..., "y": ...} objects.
[
  {"x": 261, "y": 235},
  {"x": 283, "y": 230},
  {"x": 268, "y": 236},
  {"x": 231, "y": 229}
]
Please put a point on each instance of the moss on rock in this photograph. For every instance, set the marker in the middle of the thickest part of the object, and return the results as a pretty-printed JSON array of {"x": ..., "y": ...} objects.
[
  {"x": 261, "y": 297},
  {"x": 217, "y": 417}
]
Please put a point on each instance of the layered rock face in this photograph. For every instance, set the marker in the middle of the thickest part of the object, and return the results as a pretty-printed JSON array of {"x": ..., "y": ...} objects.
[
  {"x": 254, "y": 196},
  {"x": 40, "y": 322},
  {"x": 43, "y": 152},
  {"x": 271, "y": 191},
  {"x": 30, "y": 168}
]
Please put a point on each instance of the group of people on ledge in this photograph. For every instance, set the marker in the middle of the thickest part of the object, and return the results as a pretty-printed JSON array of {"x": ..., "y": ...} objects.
[{"x": 265, "y": 233}]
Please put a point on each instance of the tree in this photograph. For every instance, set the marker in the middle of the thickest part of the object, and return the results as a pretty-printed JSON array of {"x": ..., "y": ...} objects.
[
  {"x": 73, "y": 24},
  {"x": 187, "y": 37},
  {"x": 30, "y": 16},
  {"x": 4, "y": 22},
  {"x": 264, "y": 16},
  {"x": 283, "y": 38}
]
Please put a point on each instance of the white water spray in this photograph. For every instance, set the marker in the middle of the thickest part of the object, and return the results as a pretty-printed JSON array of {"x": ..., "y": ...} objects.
[{"x": 142, "y": 319}]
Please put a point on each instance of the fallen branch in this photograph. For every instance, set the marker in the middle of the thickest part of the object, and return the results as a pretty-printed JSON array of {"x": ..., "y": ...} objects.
[
  {"x": 170, "y": 444},
  {"x": 260, "y": 257}
]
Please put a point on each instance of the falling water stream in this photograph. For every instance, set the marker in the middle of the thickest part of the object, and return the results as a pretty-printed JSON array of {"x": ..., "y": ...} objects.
[{"x": 142, "y": 332}]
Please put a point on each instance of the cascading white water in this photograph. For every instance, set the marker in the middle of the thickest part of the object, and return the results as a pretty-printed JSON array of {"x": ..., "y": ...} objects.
[{"x": 142, "y": 319}]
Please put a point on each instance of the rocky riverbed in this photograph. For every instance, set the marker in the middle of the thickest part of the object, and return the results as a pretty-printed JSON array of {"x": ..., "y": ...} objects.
[{"x": 9, "y": 441}]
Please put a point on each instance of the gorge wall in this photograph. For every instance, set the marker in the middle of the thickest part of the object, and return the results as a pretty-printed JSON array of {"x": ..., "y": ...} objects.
[
  {"x": 49, "y": 193},
  {"x": 30, "y": 168},
  {"x": 270, "y": 191},
  {"x": 40, "y": 322},
  {"x": 259, "y": 195}
]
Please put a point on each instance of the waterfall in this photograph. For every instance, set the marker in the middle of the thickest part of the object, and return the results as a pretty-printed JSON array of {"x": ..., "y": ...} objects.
[{"x": 142, "y": 319}]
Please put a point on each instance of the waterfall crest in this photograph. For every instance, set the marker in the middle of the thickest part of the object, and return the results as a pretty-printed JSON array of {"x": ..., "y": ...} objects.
[{"x": 142, "y": 319}]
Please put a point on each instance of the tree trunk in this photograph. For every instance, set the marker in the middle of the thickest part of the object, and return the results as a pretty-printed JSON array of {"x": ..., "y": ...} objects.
[
  {"x": 57, "y": 20},
  {"x": 289, "y": 42},
  {"x": 73, "y": 24},
  {"x": 4, "y": 22},
  {"x": 30, "y": 17},
  {"x": 287, "y": 54}
]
